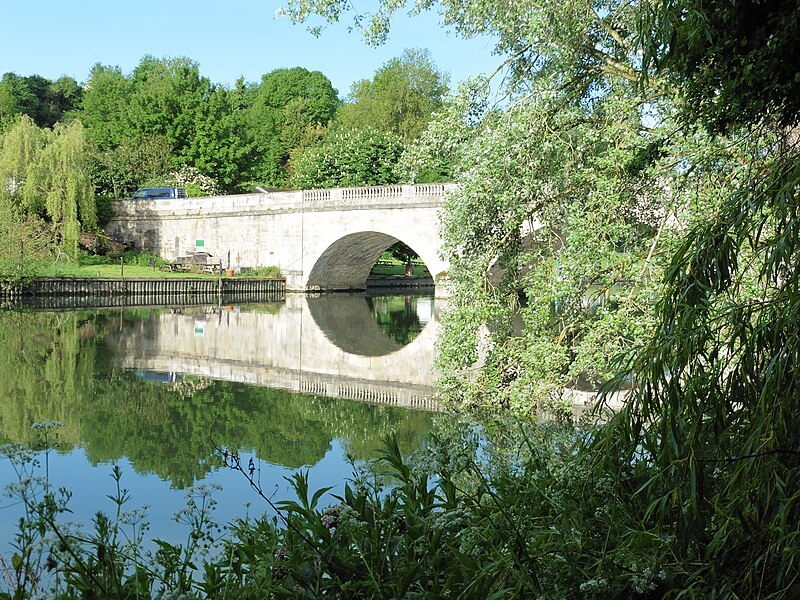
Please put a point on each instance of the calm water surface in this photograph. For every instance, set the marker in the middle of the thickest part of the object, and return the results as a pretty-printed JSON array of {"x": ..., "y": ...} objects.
[{"x": 298, "y": 384}]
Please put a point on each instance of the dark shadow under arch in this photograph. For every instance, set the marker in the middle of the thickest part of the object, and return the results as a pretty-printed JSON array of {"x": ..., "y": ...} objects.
[
  {"x": 346, "y": 264},
  {"x": 347, "y": 321}
]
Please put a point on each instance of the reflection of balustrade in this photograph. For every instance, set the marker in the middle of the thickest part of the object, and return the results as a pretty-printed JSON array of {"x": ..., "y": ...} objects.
[
  {"x": 282, "y": 346},
  {"x": 369, "y": 392}
]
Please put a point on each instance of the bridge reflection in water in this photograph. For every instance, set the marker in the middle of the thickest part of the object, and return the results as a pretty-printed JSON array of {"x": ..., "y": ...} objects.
[{"x": 330, "y": 345}]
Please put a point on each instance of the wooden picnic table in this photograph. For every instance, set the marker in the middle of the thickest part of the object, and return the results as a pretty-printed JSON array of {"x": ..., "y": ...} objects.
[
  {"x": 175, "y": 267},
  {"x": 188, "y": 267}
]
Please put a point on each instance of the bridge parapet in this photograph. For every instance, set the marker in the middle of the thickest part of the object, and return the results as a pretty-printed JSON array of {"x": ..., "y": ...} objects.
[
  {"x": 378, "y": 196},
  {"x": 385, "y": 196}
]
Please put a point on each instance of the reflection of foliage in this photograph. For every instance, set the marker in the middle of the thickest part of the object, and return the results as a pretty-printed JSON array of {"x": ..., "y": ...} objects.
[
  {"x": 52, "y": 371},
  {"x": 397, "y": 317},
  {"x": 44, "y": 367},
  {"x": 174, "y": 437}
]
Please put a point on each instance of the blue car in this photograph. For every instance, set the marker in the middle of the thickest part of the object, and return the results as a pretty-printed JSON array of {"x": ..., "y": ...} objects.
[{"x": 159, "y": 193}]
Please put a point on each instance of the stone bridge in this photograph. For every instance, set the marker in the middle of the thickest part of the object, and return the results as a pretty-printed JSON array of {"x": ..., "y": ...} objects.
[{"x": 320, "y": 239}]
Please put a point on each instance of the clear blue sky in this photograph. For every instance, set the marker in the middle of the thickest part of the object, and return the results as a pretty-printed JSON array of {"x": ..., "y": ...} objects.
[{"x": 228, "y": 38}]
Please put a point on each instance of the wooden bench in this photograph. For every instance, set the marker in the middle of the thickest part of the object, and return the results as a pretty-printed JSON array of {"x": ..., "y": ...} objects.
[{"x": 210, "y": 269}]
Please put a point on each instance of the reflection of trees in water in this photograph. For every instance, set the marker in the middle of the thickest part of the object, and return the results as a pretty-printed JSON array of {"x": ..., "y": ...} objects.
[
  {"x": 397, "y": 317},
  {"x": 173, "y": 435},
  {"x": 55, "y": 368},
  {"x": 46, "y": 362}
]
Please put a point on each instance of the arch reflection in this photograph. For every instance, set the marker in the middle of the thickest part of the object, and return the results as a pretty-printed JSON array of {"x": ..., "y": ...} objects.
[{"x": 371, "y": 324}]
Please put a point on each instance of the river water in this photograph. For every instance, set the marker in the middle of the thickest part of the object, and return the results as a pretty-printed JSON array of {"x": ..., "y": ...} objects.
[{"x": 296, "y": 384}]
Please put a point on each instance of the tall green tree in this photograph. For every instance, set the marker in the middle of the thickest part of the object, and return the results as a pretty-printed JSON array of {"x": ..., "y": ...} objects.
[
  {"x": 400, "y": 98},
  {"x": 15, "y": 99},
  {"x": 160, "y": 117},
  {"x": 287, "y": 103},
  {"x": 222, "y": 147},
  {"x": 105, "y": 107},
  {"x": 167, "y": 100},
  {"x": 46, "y": 102}
]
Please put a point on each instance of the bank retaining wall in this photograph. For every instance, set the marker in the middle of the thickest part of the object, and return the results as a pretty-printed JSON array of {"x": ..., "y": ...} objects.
[{"x": 141, "y": 292}]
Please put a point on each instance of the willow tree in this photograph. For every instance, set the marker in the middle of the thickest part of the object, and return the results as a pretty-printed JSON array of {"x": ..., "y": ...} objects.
[
  {"x": 46, "y": 178},
  {"x": 22, "y": 244},
  {"x": 711, "y": 432}
]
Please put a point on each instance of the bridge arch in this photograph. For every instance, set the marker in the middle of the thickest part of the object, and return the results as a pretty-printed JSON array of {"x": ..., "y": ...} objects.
[{"x": 346, "y": 263}]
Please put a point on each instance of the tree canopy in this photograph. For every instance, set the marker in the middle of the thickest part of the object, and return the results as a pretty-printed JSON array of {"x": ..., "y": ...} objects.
[
  {"x": 45, "y": 102},
  {"x": 286, "y": 104},
  {"x": 400, "y": 98},
  {"x": 652, "y": 150}
]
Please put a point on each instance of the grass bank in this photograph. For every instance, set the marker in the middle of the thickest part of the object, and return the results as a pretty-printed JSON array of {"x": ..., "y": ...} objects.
[{"x": 132, "y": 271}]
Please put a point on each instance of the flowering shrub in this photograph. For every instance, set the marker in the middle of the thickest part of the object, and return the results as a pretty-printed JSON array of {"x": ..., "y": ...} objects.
[
  {"x": 196, "y": 183},
  {"x": 349, "y": 158}
]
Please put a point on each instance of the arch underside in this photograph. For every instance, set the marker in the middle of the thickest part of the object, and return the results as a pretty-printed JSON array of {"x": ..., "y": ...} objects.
[{"x": 346, "y": 264}]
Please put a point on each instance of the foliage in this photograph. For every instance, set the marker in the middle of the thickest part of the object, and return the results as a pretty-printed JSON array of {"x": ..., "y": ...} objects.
[
  {"x": 162, "y": 117},
  {"x": 436, "y": 154},
  {"x": 402, "y": 252},
  {"x": 108, "y": 561},
  {"x": 569, "y": 248},
  {"x": 23, "y": 245},
  {"x": 195, "y": 183},
  {"x": 119, "y": 171},
  {"x": 105, "y": 104},
  {"x": 222, "y": 149},
  {"x": 45, "y": 176},
  {"x": 703, "y": 457},
  {"x": 755, "y": 51},
  {"x": 167, "y": 100},
  {"x": 45, "y": 102},
  {"x": 399, "y": 99},
  {"x": 462, "y": 517},
  {"x": 349, "y": 158},
  {"x": 271, "y": 272},
  {"x": 285, "y": 108},
  {"x": 713, "y": 420}
]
